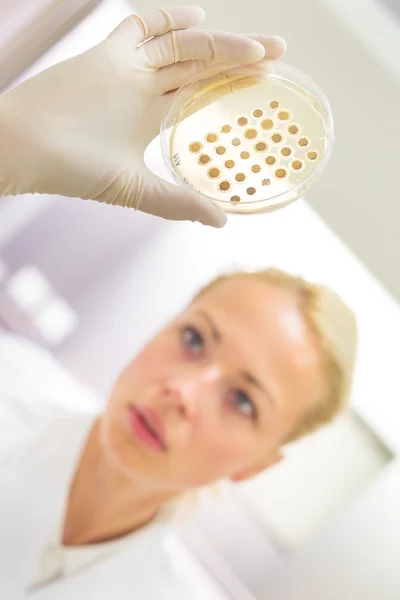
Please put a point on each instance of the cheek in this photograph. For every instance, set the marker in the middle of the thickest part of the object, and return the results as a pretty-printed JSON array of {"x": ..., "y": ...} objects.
[
  {"x": 220, "y": 451},
  {"x": 150, "y": 360},
  {"x": 150, "y": 365}
]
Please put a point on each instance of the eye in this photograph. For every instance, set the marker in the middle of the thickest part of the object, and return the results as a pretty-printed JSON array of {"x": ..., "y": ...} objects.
[
  {"x": 193, "y": 340},
  {"x": 244, "y": 404}
]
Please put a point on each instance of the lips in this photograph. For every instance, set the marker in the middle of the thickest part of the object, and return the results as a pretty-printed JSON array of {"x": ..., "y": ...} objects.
[{"x": 147, "y": 427}]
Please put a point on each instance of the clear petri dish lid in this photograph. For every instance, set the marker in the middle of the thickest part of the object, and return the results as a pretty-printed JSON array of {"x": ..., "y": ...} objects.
[{"x": 250, "y": 140}]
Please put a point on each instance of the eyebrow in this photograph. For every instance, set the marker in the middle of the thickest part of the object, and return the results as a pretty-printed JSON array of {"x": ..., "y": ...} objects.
[
  {"x": 214, "y": 330},
  {"x": 244, "y": 374}
]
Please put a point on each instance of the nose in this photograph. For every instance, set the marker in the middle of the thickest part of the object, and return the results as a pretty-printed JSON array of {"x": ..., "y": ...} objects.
[{"x": 186, "y": 393}]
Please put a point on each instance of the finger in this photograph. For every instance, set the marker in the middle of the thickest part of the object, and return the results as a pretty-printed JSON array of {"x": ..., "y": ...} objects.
[
  {"x": 180, "y": 46},
  {"x": 159, "y": 22},
  {"x": 274, "y": 45},
  {"x": 174, "y": 76},
  {"x": 232, "y": 81},
  {"x": 178, "y": 203}
]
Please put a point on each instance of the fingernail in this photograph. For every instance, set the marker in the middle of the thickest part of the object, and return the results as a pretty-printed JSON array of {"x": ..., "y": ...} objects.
[{"x": 258, "y": 49}]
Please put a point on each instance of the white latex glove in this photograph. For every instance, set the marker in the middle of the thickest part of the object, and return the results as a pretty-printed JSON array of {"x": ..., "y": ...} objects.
[{"x": 80, "y": 128}]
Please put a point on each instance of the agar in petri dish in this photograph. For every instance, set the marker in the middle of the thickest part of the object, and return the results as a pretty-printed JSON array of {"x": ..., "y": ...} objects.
[{"x": 277, "y": 127}]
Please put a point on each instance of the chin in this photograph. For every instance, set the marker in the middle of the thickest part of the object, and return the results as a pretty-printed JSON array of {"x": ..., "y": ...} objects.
[
  {"x": 117, "y": 447},
  {"x": 123, "y": 452}
]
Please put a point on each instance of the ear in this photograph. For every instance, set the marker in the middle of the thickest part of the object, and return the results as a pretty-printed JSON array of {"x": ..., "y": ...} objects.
[{"x": 274, "y": 459}]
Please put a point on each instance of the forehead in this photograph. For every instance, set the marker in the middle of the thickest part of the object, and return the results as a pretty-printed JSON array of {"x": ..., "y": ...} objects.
[{"x": 256, "y": 307}]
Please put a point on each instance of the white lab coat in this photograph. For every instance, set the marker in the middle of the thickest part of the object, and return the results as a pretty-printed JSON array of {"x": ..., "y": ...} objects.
[{"x": 39, "y": 447}]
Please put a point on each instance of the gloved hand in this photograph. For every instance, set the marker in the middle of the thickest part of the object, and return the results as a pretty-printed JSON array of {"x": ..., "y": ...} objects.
[{"x": 80, "y": 128}]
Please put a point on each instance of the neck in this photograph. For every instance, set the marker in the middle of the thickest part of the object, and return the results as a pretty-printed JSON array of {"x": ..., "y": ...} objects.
[{"x": 104, "y": 504}]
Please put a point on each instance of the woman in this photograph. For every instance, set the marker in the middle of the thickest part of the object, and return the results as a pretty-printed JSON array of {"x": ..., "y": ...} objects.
[{"x": 255, "y": 361}]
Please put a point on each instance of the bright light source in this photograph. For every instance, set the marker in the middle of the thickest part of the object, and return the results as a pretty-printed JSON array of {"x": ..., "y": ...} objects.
[
  {"x": 55, "y": 321},
  {"x": 28, "y": 288}
]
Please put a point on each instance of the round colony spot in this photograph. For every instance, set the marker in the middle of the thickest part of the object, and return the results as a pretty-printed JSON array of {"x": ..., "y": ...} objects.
[
  {"x": 303, "y": 141},
  {"x": 230, "y": 164},
  {"x": 240, "y": 177},
  {"x": 242, "y": 121},
  {"x": 195, "y": 147},
  {"x": 224, "y": 186},
  {"x": 214, "y": 172},
  {"x": 270, "y": 160},
  {"x": 276, "y": 137},
  {"x": 236, "y": 142},
  {"x": 204, "y": 159},
  {"x": 256, "y": 168},
  {"x": 244, "y": 155},
  {"x": 312, "y": 155},
  {"x": 235, "y": 198},
  {"x": 250, "y": 134},
  {"x": 281, "y": 173},
  {"x": 274, "y": 104},
  {"x": 261, "y": 147},
  {"x": 286, "y": 151},
  {"x": 257, "y": 113},
  {"x": 267, "y": 124},
  {"x": 297, "y": 165},
  {"x": 226, "y": 129},
  {"x": 284, "y": 115},
  {"x": 293, "y": 129},
  {"x": 211, "y": 137},
  {"x": 220, "y": 150},
  {"x": 251, "y": 191}
]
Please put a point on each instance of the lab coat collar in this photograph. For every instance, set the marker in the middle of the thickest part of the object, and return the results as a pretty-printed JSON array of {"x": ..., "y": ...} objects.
[{"x": 34, "y": 485}]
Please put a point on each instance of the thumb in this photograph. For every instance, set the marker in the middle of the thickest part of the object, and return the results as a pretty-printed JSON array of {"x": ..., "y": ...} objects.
[{"x": 158, "y": 197}]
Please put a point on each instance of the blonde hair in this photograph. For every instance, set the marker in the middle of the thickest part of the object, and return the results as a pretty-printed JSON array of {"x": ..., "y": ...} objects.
[{"x": 334, "y": 325}]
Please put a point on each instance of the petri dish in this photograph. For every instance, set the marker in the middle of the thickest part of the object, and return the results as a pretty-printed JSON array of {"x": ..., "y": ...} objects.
[{"x": 250, "y": 140}]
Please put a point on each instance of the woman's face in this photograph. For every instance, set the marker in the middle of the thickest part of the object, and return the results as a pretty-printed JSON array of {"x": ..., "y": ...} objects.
[{"x": 217, "y": 391}]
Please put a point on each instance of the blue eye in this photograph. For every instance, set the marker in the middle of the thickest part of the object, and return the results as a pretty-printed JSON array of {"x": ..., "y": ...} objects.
[
  {"x": 244, "y": 404},
  {"x": 193, "y": 340}
]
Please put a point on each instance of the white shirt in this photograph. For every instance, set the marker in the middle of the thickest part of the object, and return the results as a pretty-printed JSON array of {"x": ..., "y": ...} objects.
[
  {"x": 58, "y": 561},
  {"x": 40, "y": 445}
]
